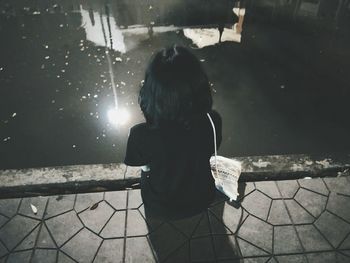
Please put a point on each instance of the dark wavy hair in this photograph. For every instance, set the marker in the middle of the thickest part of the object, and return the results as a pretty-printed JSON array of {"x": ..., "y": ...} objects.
[{"x": 176, "y": 89}]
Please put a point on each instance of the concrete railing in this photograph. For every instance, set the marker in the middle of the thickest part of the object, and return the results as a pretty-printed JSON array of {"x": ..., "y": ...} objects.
[{"x": 105, "y": 177}]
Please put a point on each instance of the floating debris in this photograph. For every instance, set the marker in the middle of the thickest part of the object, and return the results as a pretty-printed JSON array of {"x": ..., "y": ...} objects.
[
  {"x": 42, "y": 66},
  {"x": 297, "y": 167},
  {"x": 46, "y": 46},
  {"x": 282, "y": 86},
  {"x": 74, "y": 146},
  {"x": 53, "y": 101},
  {"x": 202, "y": 60},
  {"x": 7, "y": 139},
  {"x": 123, "y": 83},
  {"x": 150, "y": 7},
  {"x": 14, "y": 114},
  {"x": 63, "y": 70},
  {"x": 119, "y": 59},
  {"x": 95, "y": 96},
  {"x": 47, "y": 57},
  {"x": 60, "y": 109},
  {"x": 36, "y": 13},
  {"x": 1, "y": 69},
  {"x": 61, "y": 25}
]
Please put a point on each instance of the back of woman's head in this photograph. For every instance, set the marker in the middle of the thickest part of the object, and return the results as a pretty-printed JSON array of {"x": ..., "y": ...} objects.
[{"x": 176, "y": 88}]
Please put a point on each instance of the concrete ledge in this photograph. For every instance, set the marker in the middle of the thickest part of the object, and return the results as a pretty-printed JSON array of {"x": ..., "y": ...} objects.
[{"x": 104, "y": 177}]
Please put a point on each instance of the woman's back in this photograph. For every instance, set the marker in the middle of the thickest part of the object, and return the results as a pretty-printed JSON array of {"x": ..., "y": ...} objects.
[{"x": 179, "y": 183}]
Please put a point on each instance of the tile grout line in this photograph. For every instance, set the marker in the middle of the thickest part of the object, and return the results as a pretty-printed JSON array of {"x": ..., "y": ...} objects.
[
  {"x": 125, "y": 225},
  {"x": 39, "y": 231},
  {"x": 291, "y": 219}
]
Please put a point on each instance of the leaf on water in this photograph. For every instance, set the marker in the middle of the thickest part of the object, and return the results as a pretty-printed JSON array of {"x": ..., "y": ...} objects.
[
  {"x": 94, "y": 206},
  {"x": 34, "y": 209}
]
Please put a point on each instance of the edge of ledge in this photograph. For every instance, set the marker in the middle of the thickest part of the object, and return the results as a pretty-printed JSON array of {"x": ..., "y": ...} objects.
[{"x": 118, "y": 176}]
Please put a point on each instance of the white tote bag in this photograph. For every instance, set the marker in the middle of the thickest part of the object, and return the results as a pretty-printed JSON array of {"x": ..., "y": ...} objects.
[{"x": 225, "y": 171}]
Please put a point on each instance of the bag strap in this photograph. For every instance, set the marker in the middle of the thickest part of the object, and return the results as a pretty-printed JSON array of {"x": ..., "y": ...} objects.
[{"x": 215, "y": 148}]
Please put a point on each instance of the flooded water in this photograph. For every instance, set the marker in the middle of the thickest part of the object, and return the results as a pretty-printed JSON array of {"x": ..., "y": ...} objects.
[{"x": 70, "y": 73}]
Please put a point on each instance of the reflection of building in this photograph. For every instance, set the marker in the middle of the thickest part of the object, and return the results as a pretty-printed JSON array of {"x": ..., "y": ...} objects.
[{"x": 102, "y": 29}]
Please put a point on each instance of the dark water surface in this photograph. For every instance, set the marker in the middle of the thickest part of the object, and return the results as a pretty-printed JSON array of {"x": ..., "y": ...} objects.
[{"x": 70, "y": 73}]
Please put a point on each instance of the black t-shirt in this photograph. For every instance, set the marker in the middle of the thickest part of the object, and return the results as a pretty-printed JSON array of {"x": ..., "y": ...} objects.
[{"x": 179, "y": 183}]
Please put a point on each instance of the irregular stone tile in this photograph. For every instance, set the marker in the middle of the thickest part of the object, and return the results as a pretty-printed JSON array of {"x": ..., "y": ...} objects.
[
  {"x": 17, "y": 229},
  {"x": 288, "y": 188},
  {"x": 3, "y": 220},
  {"x": 342, "y": 258},
  {"x": 257, "y": 260},
  {"x": 180, "y": 255},
  {"x": 85, "y": 201},
  {"x": 64, "y": 226},
  {"x": 299, "y": 258},
  {"x": 346, "y": 243},
  {"x": 3, "y": 250},
  {"x": 83, "y": 246},
  {"x": 257, "y": 204},
  {"x": 44, "y": 255},
  {"x": 324, "y": 257},
  {"x": 111, "y": 251},
  {"x": 346, "y": 252},
  {"x": 44, "y": 239},
  {"x": 39, "y": 202},
  {"x": 153, "y": 223},
  {"x": 257, "y": 232},
  {"x": 187, "y": 226},
  {"x": 269, "y": 188},
  {"x": 272, "y": 260},
  {"x": 136, "y": 224},
  {"x": 278, "y": 213},
  {"x": 3, "y": 259},
  {"x": 312, "y": 202},
  {"x": 339, "y": 205},
  {"x": 286, "y": 240},
  {"x": 117, "y": 199},
  {"x": 17, "y": 257},
  {"x": 311, "y": 239},
  {"x": 316, "y": 185},
  {"x": 165, "y": 240},
  {"x": 248, "y": 188},
  {"x": 62, "y": 258},
  {"x": 332, "y": 227},
  {"x": 29, "y": 241},
  {"x": 340, "y": 185},
  {"x": 115, "y": 226},
  {"x": 97, "y": 218},
  {"x": 135, "y": 199},
  {"x": 59, "y": 204},
  {"x": 201, "y": 249},
  {"x": 248, "y": 250},
  {"x": 231, "y": 217},
  {"x": 8, "y": 207},
  {"x": 299, "y": 214},
  {"x": 202, "y": 228},
  {"x": 225, "y": 247},
  {"x": 217, "y": 226},
  {"x": 138, "y": 250}
]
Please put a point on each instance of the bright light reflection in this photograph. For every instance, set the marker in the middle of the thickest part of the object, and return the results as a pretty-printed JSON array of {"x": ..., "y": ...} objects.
[{"x": 118, "y": 116}]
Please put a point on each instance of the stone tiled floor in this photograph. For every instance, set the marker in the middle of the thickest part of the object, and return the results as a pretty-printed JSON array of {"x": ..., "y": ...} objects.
[{"x": 282, "y": 221}]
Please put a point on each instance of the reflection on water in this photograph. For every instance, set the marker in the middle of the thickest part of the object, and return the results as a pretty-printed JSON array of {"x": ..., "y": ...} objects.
[
  {"x": 118, "y": 116},
  {"x": 70, "y": 72}
]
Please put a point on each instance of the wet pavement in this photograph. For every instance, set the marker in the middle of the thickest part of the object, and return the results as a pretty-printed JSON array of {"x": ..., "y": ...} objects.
[
  {"x": 274, "y": 221},
  {"x": 70, "y": 74}
]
